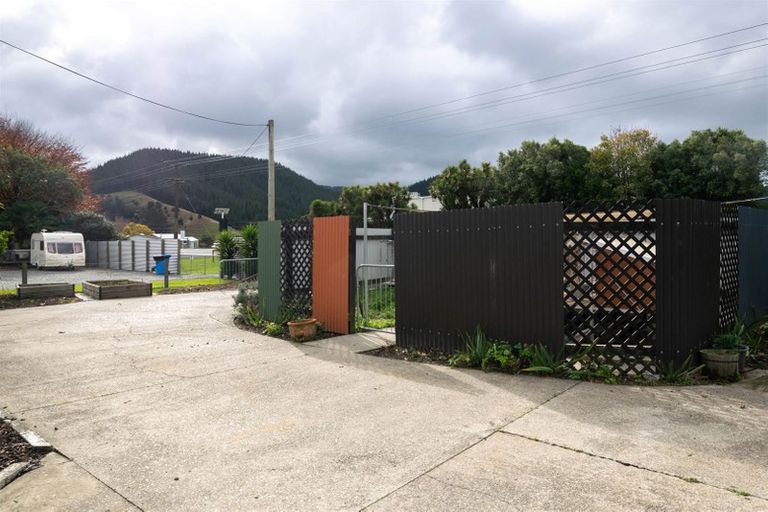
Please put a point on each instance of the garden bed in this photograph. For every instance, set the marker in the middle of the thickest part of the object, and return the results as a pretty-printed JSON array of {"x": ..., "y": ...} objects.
[
  {"x": 13, "y": 302},
  {"x": 13, "y": 447},
  {"x": 264, "y": 330},
  {"x": 44, "y": 290},
  {"x": 196, "y": 288},
  {"x": 117, "y": 289}
]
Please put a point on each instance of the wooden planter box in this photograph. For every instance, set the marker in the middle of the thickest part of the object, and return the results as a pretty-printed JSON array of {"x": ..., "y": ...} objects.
[
  {"x": 41, "y": 291},
  {"x": 119, "y": 289}
]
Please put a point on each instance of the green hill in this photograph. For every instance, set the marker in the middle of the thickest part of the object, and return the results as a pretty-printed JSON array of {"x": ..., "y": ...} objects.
[
  {"x": 125, "y": 207},
  {"x": 422, "y": 187},
  {"x": 206, "y": 182}
]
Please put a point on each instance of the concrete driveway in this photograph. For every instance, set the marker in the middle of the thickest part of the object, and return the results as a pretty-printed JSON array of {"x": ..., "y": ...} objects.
[{"x": 162, "y": 404}]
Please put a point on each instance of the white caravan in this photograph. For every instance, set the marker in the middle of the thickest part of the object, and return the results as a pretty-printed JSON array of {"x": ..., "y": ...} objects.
[{"x": 57, "y": 249}]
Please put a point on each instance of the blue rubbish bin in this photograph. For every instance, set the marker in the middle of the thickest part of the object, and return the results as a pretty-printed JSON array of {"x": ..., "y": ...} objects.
[{"x": 160, "y": 263}]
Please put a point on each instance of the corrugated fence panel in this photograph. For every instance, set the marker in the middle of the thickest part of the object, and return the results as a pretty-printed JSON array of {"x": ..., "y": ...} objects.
[
  {"x": 141, "y": 256},
  {"x": 91, "y": 253},
  {"x": 172, "y": 247},
  {"x": 269, "y": 269},
  {"x": 330, "y": 273},
  {"x": 114, "y": 255},
  {"x": 497, "y": 268},
  {"x": 102, "y": 254},
  {"x": 125, "y": 255},
  {"x": 687, "y": 276},
  {"x": 753, "y": 263}
]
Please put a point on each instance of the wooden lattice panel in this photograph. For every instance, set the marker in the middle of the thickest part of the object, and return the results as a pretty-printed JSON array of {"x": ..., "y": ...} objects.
[
  {"x": 609, "y": 283},
  {"x": 729, "y": 265},
  {"x": 296, "y": 269}
]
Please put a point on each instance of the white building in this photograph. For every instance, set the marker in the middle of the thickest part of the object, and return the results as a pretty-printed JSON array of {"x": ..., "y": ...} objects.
[{"x": 425, "y": 203}]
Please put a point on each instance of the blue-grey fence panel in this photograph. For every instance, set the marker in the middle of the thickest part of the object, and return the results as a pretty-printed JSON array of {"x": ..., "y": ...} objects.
[
  {"x": 753, "y": 263},
  {"x": 687, "y": 276},
  {"x": 497, "y": 268}
]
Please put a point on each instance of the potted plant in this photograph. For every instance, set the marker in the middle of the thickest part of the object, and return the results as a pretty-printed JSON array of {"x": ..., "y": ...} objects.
[
  {"x": 728, "y": 353},
  {"x": 303, "y": 330}
]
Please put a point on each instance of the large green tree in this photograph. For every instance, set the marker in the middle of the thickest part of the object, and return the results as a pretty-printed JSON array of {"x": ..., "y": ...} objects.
[
  {"x": 36, "y": 193},
  {"x": 716, "y": 164},
  {"x": 463, "y": 186},
  {"x": 552, "y": 171},
  {"x": 620, "y": 166},
  {"x": 92, "y": 225},
  {"x": 351, "y": 201},
  {"x": 321, "y": 208}
]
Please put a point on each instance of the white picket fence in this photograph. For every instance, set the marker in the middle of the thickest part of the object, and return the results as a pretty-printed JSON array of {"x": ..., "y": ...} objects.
[{"x": 136, "y": 255}]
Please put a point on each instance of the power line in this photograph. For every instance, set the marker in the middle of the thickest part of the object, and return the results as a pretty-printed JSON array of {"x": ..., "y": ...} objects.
[
  {"x": 543, "y": 79},
  {"x": 557, "y": 89},
  {"x": 127, "y": 93},
  {"x": 255, "y": 140}
]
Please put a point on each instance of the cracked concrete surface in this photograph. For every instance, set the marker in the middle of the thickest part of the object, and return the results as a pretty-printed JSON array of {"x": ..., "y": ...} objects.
[{"x": 162, "y": 404}]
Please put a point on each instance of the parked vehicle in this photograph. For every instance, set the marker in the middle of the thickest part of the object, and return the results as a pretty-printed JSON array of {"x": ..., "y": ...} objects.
[{"x": 51, "y": 249}]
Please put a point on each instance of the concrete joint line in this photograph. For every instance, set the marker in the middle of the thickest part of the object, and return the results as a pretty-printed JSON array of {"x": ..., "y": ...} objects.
[
  {"x": 629, "y": 464},
  {"x": 469, "y": 489},
  {"x": 471, "y": 445},
  {"x": 102, "y": 482}
]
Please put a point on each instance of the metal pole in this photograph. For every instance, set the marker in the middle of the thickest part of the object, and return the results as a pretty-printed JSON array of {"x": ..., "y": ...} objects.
[
  {"x": 24, "y": 272},
  {"x": 165, "y": 273},
  {"x": 365, "y": 261},
  {"x": 271, "y": 178}
]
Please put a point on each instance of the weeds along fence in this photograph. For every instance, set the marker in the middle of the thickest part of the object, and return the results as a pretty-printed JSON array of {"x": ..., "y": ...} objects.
[{"x": 641, "y": 282}]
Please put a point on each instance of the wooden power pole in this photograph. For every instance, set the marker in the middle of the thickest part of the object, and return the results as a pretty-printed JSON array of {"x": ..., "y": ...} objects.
[{"x": 271, "y": 178}]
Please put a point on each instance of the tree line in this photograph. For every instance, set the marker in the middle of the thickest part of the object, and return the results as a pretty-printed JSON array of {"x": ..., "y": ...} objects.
[{"x": 716, "y": 164}]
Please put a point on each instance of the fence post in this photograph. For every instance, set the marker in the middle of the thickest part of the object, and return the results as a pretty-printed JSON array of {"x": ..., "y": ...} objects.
[
  {"x": 178, "y": 256},
  {"x": 119, "y": 255},
  {"x": 109, "y": 261},
  {"x": 146, "y": 259},
  {"x": 133, "y": 255},
  {"x": 97, "y": 253}
]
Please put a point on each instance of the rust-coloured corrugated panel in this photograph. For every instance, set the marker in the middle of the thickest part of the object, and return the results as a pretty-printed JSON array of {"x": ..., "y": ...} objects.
[{"x": 330, "y": 273}]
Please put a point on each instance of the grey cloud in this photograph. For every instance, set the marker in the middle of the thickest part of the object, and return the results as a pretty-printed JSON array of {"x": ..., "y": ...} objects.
[{"x": 335, "y": 69}]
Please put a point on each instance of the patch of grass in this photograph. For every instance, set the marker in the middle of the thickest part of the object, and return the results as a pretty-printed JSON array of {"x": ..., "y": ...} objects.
[
  {"x": 692, "y": 480},
  {"x": 199, "y": 265},
  {"x": 381, "y": 307},
  {"x": 7, "y": 292},
  {"x": 190, "y": 283}
]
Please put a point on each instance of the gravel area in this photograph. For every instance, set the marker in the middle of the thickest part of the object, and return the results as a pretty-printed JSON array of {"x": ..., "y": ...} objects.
[
  {"x": 13, "y": 448},
  {"x": 10, "y": 276}
]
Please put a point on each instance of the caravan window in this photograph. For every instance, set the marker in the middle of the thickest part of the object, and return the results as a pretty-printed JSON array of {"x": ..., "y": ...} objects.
[
  {"x": 42, "y": 245},
  {"x": 51, "y": 248},
  {"x": 78, "y": 247},
  {"x": 65, "y": 248}
]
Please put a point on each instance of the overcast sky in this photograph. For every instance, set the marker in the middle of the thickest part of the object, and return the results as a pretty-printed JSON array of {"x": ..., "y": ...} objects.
[{"x": 337, "y": 76}]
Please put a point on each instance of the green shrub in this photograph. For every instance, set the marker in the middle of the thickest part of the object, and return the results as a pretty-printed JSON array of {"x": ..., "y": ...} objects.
[
  {"x": 249, "y": 247},
  {"x": 273, "y": 329},
  {"x": 482, "y": 352},
  {"x": 226, "y": 245},
  {"x": 247, "y": 304},
  {"x": 672, "y": 374}
]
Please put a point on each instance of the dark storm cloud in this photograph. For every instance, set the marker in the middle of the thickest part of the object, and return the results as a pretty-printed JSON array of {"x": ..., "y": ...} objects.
[{"x": 336, "y": 72}]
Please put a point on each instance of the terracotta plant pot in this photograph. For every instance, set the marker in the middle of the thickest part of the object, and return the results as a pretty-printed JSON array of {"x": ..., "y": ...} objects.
[
  {"x": 721, "y": 362},
  {"x": 303, "y": 330}
]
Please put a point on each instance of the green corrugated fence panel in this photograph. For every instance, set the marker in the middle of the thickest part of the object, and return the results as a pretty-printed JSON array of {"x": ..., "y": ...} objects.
[{"x": 269, "y": 269}]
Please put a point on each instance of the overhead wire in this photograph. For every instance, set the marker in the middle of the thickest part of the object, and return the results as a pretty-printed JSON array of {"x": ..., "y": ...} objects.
[
  {"x": 541, "y": 79},
  {"x": 128, "y": 93},
  {"x": 547, "y": 92}
]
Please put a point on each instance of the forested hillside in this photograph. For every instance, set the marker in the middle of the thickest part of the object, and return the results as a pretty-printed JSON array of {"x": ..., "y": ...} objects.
[{"x": 206, "y": 182}]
